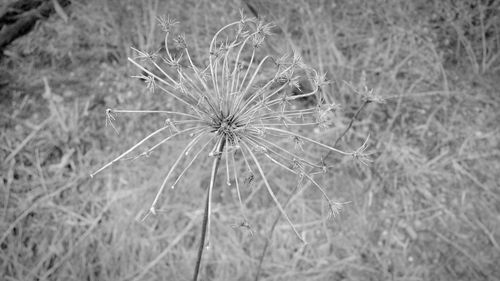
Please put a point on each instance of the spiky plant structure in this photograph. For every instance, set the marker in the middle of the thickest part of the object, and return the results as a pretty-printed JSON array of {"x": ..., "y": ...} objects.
[{"x": 239, "y": 106}]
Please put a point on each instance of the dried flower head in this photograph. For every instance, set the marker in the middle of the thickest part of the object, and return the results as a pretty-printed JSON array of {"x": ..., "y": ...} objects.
[
  {"x": 166, "y": 23},
  {"x": 238, "y": 107},
  {"x": 366, "y": 93}
]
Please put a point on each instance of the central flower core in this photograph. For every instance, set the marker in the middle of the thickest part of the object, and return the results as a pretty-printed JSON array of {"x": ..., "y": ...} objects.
[{"x": 225, "y": 126}]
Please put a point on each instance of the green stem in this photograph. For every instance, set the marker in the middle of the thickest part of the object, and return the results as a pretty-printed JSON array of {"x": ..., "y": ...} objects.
[{"x": 205, "y": 227}]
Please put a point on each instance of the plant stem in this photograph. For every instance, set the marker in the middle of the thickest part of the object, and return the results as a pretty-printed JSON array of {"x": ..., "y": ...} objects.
[
  {"x": 271, "y": 231},
  {"x": 350, "y": 124},
  {"x": 205, "y": 227}
]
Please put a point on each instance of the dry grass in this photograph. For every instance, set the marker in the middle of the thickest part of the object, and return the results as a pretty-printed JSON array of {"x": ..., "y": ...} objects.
[{"x": 428, "y": 208}]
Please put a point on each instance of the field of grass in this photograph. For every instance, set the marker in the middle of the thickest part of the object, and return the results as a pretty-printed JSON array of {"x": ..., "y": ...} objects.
[{"x": 426, "y": 208}]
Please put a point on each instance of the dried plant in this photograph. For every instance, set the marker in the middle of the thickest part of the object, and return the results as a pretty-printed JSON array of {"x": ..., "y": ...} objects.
[{"x": 239, "y": 107}]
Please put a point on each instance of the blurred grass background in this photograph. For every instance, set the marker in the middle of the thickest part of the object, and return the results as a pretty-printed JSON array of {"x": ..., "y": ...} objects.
[{"x": 428, "y": 208}]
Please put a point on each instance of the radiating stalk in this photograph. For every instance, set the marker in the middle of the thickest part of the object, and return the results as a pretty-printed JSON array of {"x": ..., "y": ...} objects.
[{"x": 205, "y": 227}]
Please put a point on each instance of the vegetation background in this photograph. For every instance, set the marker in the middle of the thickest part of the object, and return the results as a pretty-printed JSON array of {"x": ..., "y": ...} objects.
[{"x": 428, "y": 208}]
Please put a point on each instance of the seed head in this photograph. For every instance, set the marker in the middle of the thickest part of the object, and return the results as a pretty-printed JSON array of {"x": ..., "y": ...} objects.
[{"x": 242, "y": 98}]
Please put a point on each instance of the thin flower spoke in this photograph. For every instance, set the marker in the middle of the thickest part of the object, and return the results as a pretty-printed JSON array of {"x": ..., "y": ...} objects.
[
  {"x": 271, "y": 192},
  {"x": 172, "y": 169},
  {"x": 129, "y": 150},
  {"x": 309, "y": 140}
]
